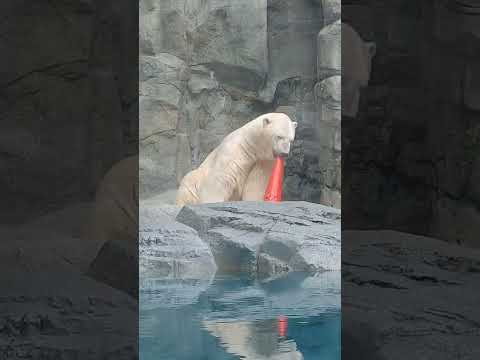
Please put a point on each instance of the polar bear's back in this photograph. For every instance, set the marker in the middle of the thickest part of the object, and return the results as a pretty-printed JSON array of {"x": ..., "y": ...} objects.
[{"x": 188, "y": 190}]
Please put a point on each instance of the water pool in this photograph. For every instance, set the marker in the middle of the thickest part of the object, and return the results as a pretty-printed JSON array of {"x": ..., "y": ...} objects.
[{"x": 230, "y": 318}]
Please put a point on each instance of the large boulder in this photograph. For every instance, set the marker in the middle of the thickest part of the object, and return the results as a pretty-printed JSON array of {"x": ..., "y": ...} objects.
[
  {"x": 176, "y": 266},
  {"x": 268, "y": 238},
  {"x": 168, "y": 249}
]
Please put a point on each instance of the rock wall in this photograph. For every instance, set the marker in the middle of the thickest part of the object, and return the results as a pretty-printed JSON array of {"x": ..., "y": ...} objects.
[
  {"x": 209, "y": 67},
  {"x": 422, "y": 108}
]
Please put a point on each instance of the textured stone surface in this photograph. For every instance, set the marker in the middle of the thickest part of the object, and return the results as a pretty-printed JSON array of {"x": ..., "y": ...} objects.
[
  {"x": 329, "y": 49},
  {"x": 228, "y": 63},
  {"x": 397, "y": 296},
  {"x": 332, "y": 10},
  {"x": 168, "y": 249},
  {"x": 328, "y": 104},
  {"x": 268, "y": 238},
  {"x": 162, "y": 82}
]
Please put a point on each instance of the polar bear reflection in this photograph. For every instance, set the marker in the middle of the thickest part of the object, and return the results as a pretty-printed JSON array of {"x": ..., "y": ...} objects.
[{"x": 253, "y": 340}]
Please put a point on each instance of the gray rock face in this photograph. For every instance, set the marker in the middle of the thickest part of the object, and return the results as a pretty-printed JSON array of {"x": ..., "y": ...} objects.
[
  {"x": 329, "y": 49},
  {"x": 230, "y": 39},
  {"x": 162, "y": 82},
  {"x": 209, "y": 67},
  {"x": 414, "y": 281},
  {"x": 168, "y": 249},
  {"x": 328, "y": 97},
  {"x": 332, "y": 10},
  {"x": 268, "y": 238}
]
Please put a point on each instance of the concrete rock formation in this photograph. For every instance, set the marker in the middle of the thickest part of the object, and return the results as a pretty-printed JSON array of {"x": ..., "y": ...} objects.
[{"x": 209, "y": 67}]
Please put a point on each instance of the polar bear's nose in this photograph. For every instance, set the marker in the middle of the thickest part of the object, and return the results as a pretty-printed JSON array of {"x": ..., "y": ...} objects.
[{"x": 285, "y": 151}]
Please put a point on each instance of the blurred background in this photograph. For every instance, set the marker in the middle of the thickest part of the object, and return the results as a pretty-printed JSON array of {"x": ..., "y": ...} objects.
[
  {"x": 411, "y": 158},
  {"x": 68, "y": 101}
]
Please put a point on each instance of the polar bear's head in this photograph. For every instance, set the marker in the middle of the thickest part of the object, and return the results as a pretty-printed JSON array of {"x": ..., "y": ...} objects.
[
  {"x": 356, "y": 67},
  {"x": 279, "y": 133}
]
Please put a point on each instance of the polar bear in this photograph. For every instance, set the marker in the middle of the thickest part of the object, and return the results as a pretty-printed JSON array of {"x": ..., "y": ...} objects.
[
  {"x": 356, "y": 67},
  {"x": 239, "y": 168}
]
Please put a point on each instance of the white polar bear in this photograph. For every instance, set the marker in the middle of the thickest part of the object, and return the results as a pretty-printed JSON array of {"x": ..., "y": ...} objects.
[
  {"x": 240, "y": 167},
  {"x": 356, "y": 67}
]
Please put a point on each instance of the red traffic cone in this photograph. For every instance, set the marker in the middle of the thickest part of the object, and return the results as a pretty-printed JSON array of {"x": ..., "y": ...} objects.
[{"x": 274, "y": 187}]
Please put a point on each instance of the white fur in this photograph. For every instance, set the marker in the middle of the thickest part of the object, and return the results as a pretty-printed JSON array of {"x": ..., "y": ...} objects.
[{"x": 239, "y": 168}]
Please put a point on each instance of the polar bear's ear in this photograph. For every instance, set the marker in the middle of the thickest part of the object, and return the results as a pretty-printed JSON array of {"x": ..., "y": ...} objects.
[
  {"x": 266, "y": 122},
  {"x": 295, "y": 124}
]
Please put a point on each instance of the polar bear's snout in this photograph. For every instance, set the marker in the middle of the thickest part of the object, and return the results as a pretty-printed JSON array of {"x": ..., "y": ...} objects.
[{"x": 281, "y": 146}]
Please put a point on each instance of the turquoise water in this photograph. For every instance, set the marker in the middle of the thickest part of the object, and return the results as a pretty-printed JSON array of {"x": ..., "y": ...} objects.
[{"x": 227, "y": 318}]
